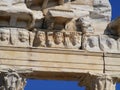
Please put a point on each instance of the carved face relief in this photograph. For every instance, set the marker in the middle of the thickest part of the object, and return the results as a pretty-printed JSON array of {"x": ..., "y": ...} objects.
[
  {"x": 91, "y": 43},
  {"x": 23, "y": 36},
  {"x": 50, "y": 39},
  {"x": 75, "y": 38},
  {"x": 41, "y": 36},
  {"x": 4, "y": 35},
  {"x": 108, "y": 44},
  {"x": 58, "y": 37}
]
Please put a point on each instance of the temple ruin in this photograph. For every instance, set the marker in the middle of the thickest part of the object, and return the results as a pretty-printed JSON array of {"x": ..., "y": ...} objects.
[{"x": 59, "y": 40}]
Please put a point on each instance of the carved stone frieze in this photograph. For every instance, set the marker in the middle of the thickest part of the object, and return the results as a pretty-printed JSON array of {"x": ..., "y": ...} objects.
[
  {"x": 40, "y": 39},
  {"x": 73, "y": 40},
  {"x": 108, "y": 43},
  {"x": 4, "y": 37},
  {"x": 58, "y": 39},
  {"x": 91, "y": 43},
  {"x": 20, "y": 37},
  {"x": 50, "y": 40},
  {"x": 17, "y": 37}
]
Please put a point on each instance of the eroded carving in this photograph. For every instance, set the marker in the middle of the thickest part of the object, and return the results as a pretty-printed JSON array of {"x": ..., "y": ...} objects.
[
  {"x": 40, "y": 40},
  {"x": 104, "y": 83},
  {"x": 50, "y": 40},
  {"x": 108, "y": 44},
  {"x": 91, "y": 43},
  {"x": 4, "y": 36},
  {"x": 55, "y": 39},
  {"x": 20, "y": 37},
  {"x": 73, "y": 40},
  {"x": 58, "y": 39},
  {"x": 12, "y": 81},
  {"x": 68, "y": 43},
  {"x": 98, "y": 82},
  {"x": 71, "y": 25},
  {"x": 86, "y": 26}
]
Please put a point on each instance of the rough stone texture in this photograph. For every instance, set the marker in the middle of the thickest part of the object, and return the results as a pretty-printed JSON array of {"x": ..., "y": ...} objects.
[
  {"x": 98, "y": 82},
  {"x": 59, "y": 39},
  {"x": 91, "y": 43},
  {"x": 10, "y": 80},
  {"x": 108, "y": 44}
]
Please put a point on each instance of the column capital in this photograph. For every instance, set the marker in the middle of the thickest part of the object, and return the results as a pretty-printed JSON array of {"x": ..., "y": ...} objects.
[
  {"x": 98, "y": 82},
  {"x": 11, "y": 80}
]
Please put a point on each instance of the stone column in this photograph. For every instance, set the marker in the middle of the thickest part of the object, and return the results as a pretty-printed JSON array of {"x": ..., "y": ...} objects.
[
  {"x": 103, "y": 82},
  {"x": 11, "y": 80}
]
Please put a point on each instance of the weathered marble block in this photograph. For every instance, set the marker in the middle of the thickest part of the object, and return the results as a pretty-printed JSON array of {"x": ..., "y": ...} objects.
[
  {"x": 91, "y": 43},
  {"x": 55, "y": 39},
  {"x": 108, "y": 43},
  {"x": 20, "y": 37},
  {"x": 5, "y": 35},
  {"x": 40, "y": 39},
  {"x": 73, "y": 40}
]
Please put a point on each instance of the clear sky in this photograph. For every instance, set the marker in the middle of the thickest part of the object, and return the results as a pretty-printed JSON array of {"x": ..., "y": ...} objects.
[{"x": 68, "y": 85}]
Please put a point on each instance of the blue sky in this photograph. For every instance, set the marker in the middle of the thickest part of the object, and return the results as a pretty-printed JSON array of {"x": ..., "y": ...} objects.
[{"x": 68, "y": 85}]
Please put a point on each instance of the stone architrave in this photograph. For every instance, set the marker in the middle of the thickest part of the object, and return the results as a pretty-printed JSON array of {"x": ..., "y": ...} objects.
[
  {"x": 91, "y": 43},
  {"x": 108, "y": 43}
]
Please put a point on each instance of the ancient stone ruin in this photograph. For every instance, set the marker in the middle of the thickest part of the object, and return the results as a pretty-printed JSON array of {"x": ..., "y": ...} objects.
[{"x": 59, "y": 40}]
